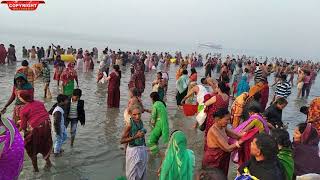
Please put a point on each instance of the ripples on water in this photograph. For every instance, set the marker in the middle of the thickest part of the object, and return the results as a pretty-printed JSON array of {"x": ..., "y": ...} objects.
[{"x": 96, "y": 154}]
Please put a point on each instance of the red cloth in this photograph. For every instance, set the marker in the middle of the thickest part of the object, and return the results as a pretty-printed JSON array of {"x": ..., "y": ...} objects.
[
  {"x": 244, "y": 151},
  {"x": 114, "y": 91},
  {"x": 68, "y": 74},
  {"x": 220, "y": 103},
  {"x": 216, "y": 158},
  {"x": 33, "y": 114},
  {"x": 39, "y": 140},
  {"x": 138, "y": 81},
  {"x": 3, "y": 54}
]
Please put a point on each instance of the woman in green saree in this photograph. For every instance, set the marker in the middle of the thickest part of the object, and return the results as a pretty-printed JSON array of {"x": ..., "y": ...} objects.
[
  {"x": 68, "y": 76},
  {"x": 159, "y": 123},
  {"x": 179, "y": 162},
  {"x": 285, "y": 151}
]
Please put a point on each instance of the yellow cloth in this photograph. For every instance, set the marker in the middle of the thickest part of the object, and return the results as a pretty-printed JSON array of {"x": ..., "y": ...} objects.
[{"x": 257, "y": 124}]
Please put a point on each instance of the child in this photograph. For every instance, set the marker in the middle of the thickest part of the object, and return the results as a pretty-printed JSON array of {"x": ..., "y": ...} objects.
[
  {"x": 136, "y": 151},
  {"x": 74, "y": 113},
  {"x": 58, "y": 122}
]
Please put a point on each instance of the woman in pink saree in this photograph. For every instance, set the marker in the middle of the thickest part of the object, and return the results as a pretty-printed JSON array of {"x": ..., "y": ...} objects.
[{"x": 11, "y": 150}]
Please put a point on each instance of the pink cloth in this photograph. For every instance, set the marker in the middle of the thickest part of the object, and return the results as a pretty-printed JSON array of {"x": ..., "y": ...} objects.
[
  {"x": 11, "y": 159},
  {"x": 34, "y": 114}
]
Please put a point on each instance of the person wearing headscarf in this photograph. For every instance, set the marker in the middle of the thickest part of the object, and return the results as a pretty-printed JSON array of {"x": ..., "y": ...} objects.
[
  {"x": 3, "y": 54},
  {"x": 306, "y": 150},
  {"x": 159, "y": 123},
  {"x": 11, "y": 150},
  {"x": 314, "y": 114},
  {"x": 179, "y": 162},
  {"x": 243, "y": 85},
  {"x": 68, "y": 76},
  {"x": 21, "y": 86},
  {"x": 35, "y": 123}
]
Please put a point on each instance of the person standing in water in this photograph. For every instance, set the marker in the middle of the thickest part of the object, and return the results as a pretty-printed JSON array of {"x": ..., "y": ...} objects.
[
  {"x": 27, "y": 71},
  {"x": 159, "y": 122},
  {"x": 114, "y": 87},
  {"x": 158, "y": 85},
  {"x": 136, "y": 151},
  {"x": 74, "y": 113},
  {"x": 21, "y": 85},
  {"x": 59, "y": 66},
  {"x": 3, "y": 54},
  {"x": 58, "y": 123},
  {"x": 11, "y": 54},
  {"x": 35, "y": 123},
  {"x": 68, "y": 76},
  {"x": 45, "y": 72}
]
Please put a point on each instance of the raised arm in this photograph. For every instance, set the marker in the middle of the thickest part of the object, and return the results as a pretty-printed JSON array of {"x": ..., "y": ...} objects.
[{"x": 212, "y": 100}]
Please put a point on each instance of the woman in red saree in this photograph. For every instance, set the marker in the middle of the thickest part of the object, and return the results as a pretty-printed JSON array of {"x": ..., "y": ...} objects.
[
  {"x": 212, "y": 102},
  {"x": 35, "y": 123},
  {"x": 217, "y": 155},
  {"x": 21, "y": 86},
  {"x": 114, "y": 87}
]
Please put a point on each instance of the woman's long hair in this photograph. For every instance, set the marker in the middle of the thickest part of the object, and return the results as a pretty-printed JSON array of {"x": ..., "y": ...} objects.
[{"x": 155, "y": 97}]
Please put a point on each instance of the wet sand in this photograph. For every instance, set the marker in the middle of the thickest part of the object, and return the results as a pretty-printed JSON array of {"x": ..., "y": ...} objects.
[{"x": 96, "y": 154}]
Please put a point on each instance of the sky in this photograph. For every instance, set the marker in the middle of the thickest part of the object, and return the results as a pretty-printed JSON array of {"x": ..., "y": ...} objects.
[{"x": 275, "y": 27}]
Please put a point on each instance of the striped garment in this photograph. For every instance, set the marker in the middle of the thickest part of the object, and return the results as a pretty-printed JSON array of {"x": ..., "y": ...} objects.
[
  {"x": 283, "y": 89},
  {"x": 257, "y": 74}
]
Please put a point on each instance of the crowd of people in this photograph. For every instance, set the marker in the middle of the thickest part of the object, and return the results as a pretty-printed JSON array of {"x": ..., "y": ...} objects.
[{"x": 256, "y": 140}]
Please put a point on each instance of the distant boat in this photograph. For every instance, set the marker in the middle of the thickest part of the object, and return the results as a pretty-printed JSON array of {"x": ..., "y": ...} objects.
[{"x": 210, "y": 45}]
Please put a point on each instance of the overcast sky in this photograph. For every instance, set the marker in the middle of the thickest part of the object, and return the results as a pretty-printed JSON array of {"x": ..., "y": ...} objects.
[{"x": 273, "y": 26}]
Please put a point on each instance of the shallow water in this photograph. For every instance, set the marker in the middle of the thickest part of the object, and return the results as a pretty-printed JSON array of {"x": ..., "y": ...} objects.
[{"x": 96, "y": 154}]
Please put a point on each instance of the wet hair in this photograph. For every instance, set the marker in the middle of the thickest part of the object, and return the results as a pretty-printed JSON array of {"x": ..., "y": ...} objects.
[
  {"x": 313, "y": 134},
  {"x": 224, "y": 89},
  {"x": 24, "y": 63},
  {"x": 193, "y": 70},
  {"x": 185, "y": 71},
  {"x": 135, "y": 92},
  {"x": 267, "y": 146},
  {"x": 246, "y": 70},
  {"x": 160, "y": 73},
  {"x": 281, "y": 101},
  {"x": 77, "y": 92},
  {"x": 254, "y": 109},
  {"x": 220, "y": 113},
  {"x": 282, "y": 137},
  {"x": 155, "y": 97},
  {"x": 225, "y": 78},
  {"x": 283, "y": 77},
  {"x": 304, "y": 110},
  {"x": 240, "y": 65},
  {"x": 133, "y": 108},
  {"x": 203, "y": 80},
  {"x": 117, "y": 68},
  {"x": 257, "y": 96},
  {"x": 61, "y": 98}
]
